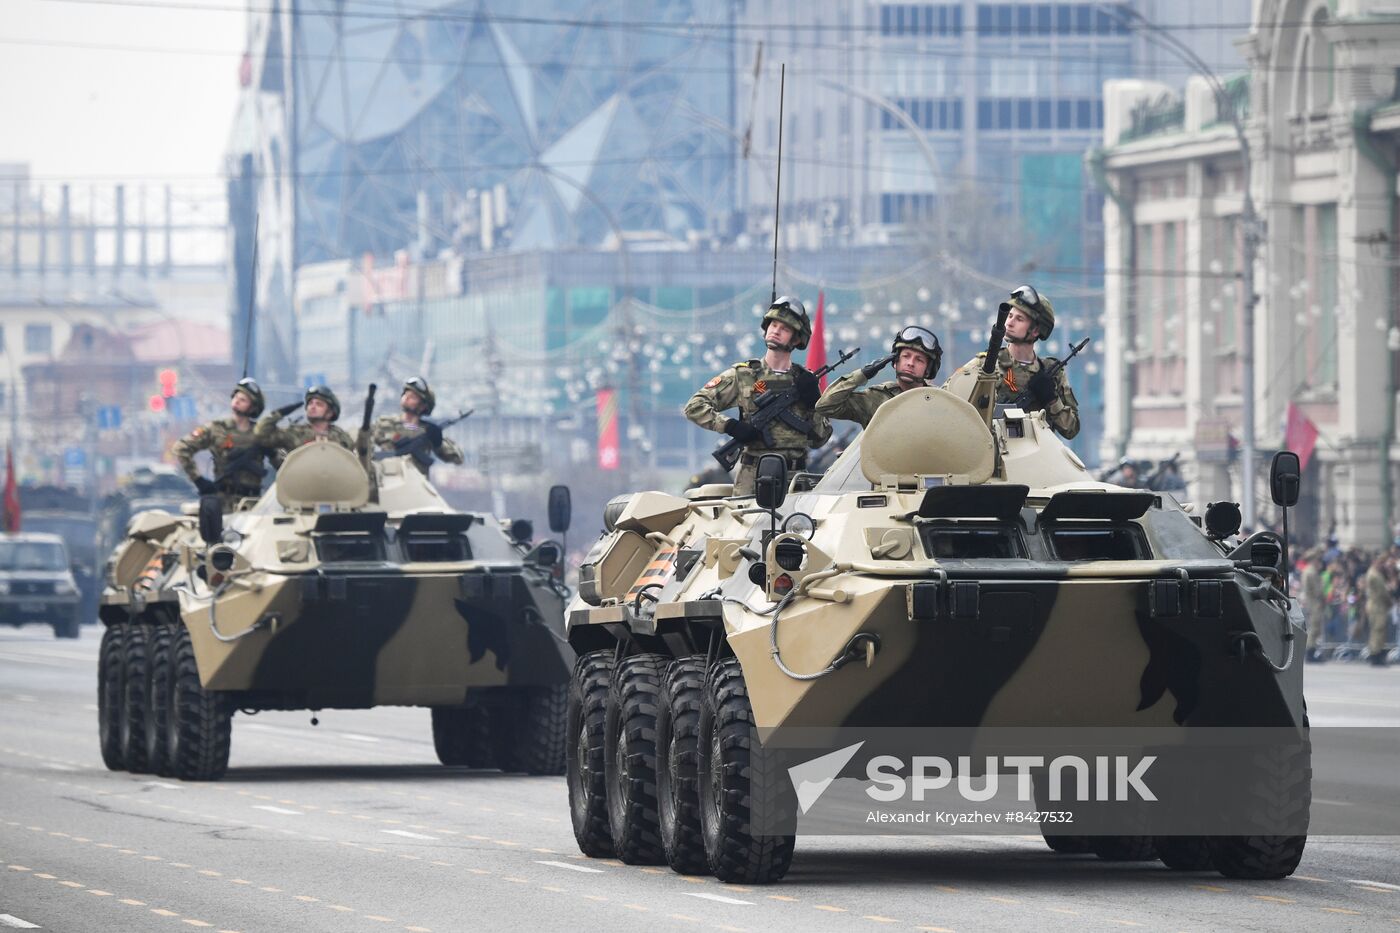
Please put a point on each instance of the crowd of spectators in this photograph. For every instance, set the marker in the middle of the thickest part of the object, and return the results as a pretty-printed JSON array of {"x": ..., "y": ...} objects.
[{"x": 1350, "y": 598}]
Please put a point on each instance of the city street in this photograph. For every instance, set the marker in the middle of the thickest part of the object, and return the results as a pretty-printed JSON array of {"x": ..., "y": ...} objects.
[{"x": 352, "y": 825}]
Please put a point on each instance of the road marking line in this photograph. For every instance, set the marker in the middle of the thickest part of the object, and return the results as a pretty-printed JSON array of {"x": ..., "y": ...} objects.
[
  {"x": 271, "y": 890},
  {"x": 1342, "y": 910},
  {"x": 153, "y": 858},
  {"x": 1002, "y": 900},
  {"x": 162, "y": 785},
  {"x": 566, "y": 865},
  {"x": 57, "y": 767},
  {"x": 517, "y": 880},
  {"x": 418, "y": 930},
  {"x": 1311, "y": 878},
  {"x": 408, "y": 835},
  {"x": 72, "y": 884},
  {"x": 685, "y": 918},
  {"x": 718, "y": 898},
  {"x": 97, "y": 893},
  {"x": 195, "y": 923},
  {"x": 162, "y": 912},
  {"x": 378, "y": 919},
  {"x": 653, "y": 871},
  {"x": 280, "y": 810},
  {"x": 1123, "y": 923},
  {"x": 211, "y": 873},
  {"x": 550, "y": 887},
  {"x": 782, "y": 897},
  {"x": 238, "y": 881},
  {"x": 179, "y": 865},
  {"x": 945, "y": 887},
  {"x": 1213, "y": 888},
  {"x": 1375, "y": 884},
  {"x": 878, "y": 919},
  {"x": 356, "y": 737},
  {"x": 307, "y": 898},
  {"x": 127, "y": 900},
  {"x": 594, "y": 897},
  {"x": 834, "y": 910},
  {"x": 8, "y": 920},
  {"x": 636, "y": 907},
  {"x": 934, "y": 929},
  {"x": 1063, "y": 910},
  {"x": 340, "y": 907},
  {"x": 1331, "y": 803},
  {"x": 18, "y": 868},
  {"x": 45, "y": 876},
  {"x": 1276, "y": 900}
]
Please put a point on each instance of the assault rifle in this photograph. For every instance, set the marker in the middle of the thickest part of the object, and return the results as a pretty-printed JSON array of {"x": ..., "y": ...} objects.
[
  {"x": 362, "y": 439},
  {"x": 1026, "y": 398},
  {"x": 774, "y": 406},
  {"x": 420, "y": 446}
]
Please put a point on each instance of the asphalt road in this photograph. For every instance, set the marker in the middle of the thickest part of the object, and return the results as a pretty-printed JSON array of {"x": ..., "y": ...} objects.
[{"x": 353, "y": 826}]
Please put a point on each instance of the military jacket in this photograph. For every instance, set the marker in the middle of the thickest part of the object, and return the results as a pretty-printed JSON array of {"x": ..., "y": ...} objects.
[
  {"x": 1313, "y": 593},
  {"x": 226, "y": 444},
  {"x": 390, "y": 433},
  {"x": 740, "y": 386},
  {"x": 1012, "y": 379},
  {"x": 1378, "y": 598},
  {"x": 281, "y": 441},
  {"x": 841, "y": 400}
]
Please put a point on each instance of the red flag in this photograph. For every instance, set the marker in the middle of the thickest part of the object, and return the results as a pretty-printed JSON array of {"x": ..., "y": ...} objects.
[
  {"x": 1300, "y": 436},
  {"x": 12, "y": 516},
  {"x": 609, "y": 452},
  {"x": 816, "y": 349}
]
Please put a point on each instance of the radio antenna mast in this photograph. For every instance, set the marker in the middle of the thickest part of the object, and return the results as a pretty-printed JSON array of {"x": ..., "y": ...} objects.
[
  {"x": 252, "y": 298},
  {"x": 778, "y": 195}
]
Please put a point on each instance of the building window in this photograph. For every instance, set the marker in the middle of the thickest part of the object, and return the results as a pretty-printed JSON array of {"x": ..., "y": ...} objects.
[
  {"x": 38, "y": 338},
  {"x": 1044, "y": 114},
  {"x": 1064, "y": 114}
]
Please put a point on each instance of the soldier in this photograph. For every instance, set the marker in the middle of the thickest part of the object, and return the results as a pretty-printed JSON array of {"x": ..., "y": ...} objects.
[
  {"x": 785, "y": 328},
  {"x": 322, "y": 408},
  {"x": 1379, "y": 601},
  {"x": 1315, "y": 603},
  {"x": 1031, "y": 317},
  {"x": 916, "y": 355},
  {"x": 400, "y": 435},
  {"x": 238, "y": 458}
]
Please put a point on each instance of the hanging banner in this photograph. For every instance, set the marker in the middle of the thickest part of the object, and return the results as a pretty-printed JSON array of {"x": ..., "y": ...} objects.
[{"x": 609, "y": 454}]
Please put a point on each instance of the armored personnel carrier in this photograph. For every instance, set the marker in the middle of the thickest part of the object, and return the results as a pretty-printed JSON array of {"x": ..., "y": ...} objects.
[
  {"x": 326, "y": 594},
  {"x": 957, "y": 567}
]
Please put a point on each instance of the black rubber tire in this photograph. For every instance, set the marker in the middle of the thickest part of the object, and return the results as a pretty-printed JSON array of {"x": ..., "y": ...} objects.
[
  {"x": 739, "y": 792},
  {"x": 1184, "y": 853},
  {"x": 1123, "y": 848},
  {"x": 111, "y": 694},
  {"x": 1283, "y": 780},
  {"x": 201, "y": 725},
  {"x": 136, "y": 706},
  {"x": 1055, "y": 839},
  {"x": 462, "y": 736},
  {"x": 629, "y": 758},
  {"x": 1064, "y": 845},
  {"x": 586, "y": 777},
  {"x": 535, "y": 730},
  {"x": 677, "y": 754},
  {"x": 158, "y": 692}
]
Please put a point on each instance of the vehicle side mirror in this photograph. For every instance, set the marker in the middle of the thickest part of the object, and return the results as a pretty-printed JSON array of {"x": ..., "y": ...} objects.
[
  {"x": 211, "y": 519},
  {"x": 1285, "y": 478},
  {"x": 546, "y": 554},
  {"x": 770, "y": 485},
  {"x": 561, "y": 509}
]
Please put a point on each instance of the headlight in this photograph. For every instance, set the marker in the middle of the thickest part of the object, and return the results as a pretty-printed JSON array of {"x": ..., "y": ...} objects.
[
  {"x": 800, "y": 523},
  {"x": 64, "y": 588},
  {"x": 4, "y": 588}
]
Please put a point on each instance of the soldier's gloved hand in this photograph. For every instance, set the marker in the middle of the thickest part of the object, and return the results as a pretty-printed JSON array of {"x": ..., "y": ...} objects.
[
  {"x": 808, "y": 388},
  {"x": 742, "y": 431},
  {"x": 205, "y": 486},
  {"x": 434, "y": 433},
  {"x": 1042, "y": 387},
  {"x": 286, "y": 410},
  {"x": 870, "y": 369}
]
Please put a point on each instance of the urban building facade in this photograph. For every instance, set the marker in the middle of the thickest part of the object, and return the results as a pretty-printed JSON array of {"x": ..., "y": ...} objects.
[{"x": 1319, "y": 109}]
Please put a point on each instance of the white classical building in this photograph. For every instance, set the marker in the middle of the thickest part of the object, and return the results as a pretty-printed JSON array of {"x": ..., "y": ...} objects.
[{"x": 1320, "y": 111}]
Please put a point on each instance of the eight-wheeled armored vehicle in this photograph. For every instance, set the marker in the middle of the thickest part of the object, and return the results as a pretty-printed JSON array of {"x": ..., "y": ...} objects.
[
  {"x": 956, "y": 567},
  {"x": 332, "y": 592}
]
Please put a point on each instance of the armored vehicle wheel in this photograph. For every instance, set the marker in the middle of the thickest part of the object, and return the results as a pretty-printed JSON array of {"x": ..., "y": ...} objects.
[
  {"x": 462, "y": 736},
  {"x": 66, "y": 627},
  {"x": 533, "y": 728},
  {"x": 158, "y": 695},
  {"x": 588, "y": 795},
  {"x": 1064, "y": 845},
  {"x": 200, "y": 724},
  {"x": 1123, "y": 848},
  {"x": 110, "y": 692},
  {"x": 1283, "y": 783},
  {"x": 678, "y": 796},
  {"x": 629, "y": 758},
  {"x": 1184, "y": 853},
  {"x": 740, "y": 794},
  {"x": 1257, "y": 858},
  {"x": 136, "y": 682}
]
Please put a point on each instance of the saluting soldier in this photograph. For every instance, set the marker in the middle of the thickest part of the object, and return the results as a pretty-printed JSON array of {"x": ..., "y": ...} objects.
[
  {"x": 916, "y": 355},
  {"x": 238, "y": 458},
  {"x": 410, "y": 432},
  {"x": 785, "y": 327},
  {"x": 1031, "y": 317},
  {"x": 322, "y": 408}
]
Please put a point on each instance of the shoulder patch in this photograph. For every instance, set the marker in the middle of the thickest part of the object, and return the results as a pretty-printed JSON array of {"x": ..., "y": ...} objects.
[
  {"x": 714, "y": 382},
  {"x": 196, "y": 432}
]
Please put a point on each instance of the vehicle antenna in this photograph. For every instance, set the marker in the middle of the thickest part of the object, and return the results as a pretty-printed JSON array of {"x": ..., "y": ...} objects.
[
  {"x": 778, "y": 195},
  {"x": 252, "y": 297}
]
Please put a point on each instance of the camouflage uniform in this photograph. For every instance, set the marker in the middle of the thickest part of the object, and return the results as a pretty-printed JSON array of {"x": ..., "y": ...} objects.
[
  {"x": 1012, "y": 377},
  {"x": 739, "y": 386},
  {"x": 1378, "y": 605},
  {"x": 226, "y": 443},
  {"x": 388, "y": 430},
  {"x": 842, "y": 401},
  {"x": 281, "y": 441},
  {"x": 1314, "y": 599}
]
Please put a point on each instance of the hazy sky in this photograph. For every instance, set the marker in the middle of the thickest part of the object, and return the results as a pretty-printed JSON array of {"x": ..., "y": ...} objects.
[{"x": 152, "y": 97}]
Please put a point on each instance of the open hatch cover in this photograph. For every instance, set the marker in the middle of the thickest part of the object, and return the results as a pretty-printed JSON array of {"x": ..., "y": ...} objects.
[
  {"x": 1100, "y": 505},
  {"x": 1000, "y": 501}
]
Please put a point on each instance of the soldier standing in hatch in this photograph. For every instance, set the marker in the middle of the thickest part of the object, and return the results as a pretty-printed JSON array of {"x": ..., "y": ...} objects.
[
  {"x": 238, "y": 458},
  {"x": 785, "y": 327},
  {"x": 397, "y": 435},
  {"x": 1031, "y": 317},
  {"x": 322, "y": 408},
  {"x": 916, "y": 355}
]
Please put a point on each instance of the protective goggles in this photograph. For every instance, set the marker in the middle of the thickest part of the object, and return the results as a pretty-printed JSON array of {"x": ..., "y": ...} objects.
[
  {"x": 1027, "y": 295},
  {"x": 920, "y": 335},
  {"x": 248, "y": 385},
  {"x": 417, "y": 384}
]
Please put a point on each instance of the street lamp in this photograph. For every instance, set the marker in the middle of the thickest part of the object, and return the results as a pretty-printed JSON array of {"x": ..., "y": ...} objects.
[{"x": 1251, "y": 228}]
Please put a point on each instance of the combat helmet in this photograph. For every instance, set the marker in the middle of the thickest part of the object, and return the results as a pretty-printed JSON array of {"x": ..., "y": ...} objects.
[
  {"x": 419, "y": 387},
  {"x": 1036, "y": 306},
  {"x": 923, "y": 340},
  {"x": 325, "y": 394},
  {"x": 790, "y": 312},
  {"x": 250, "y": 388}
]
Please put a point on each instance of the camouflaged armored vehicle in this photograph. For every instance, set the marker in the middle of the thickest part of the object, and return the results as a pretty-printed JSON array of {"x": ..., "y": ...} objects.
[
  {"x": 955, "y": 567},
  {"x": 315, "y": 597}
]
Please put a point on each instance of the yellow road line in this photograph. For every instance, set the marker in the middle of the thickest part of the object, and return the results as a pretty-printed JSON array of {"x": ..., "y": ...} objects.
[
  {"x": 97, "y": 893},
  {"x": 1342, "y": 910},
  {"x": 829, "y": 908},
  {"x": 1276, "y": 900},
  {"x": 878, "y": 919}
]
